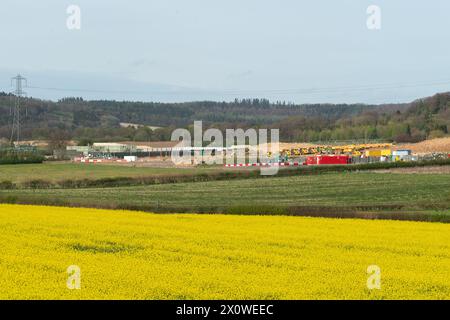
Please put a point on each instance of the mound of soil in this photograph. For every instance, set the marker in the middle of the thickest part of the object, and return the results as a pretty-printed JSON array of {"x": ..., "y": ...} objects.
[{"x": 441, "y": 145}]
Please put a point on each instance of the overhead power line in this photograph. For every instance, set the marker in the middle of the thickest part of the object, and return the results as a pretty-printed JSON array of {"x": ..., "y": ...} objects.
[{"x": 312, "y": 90}]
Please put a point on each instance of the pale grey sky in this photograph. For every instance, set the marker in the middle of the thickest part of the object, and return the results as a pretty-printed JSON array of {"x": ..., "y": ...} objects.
[{"x": 176, "y": 50}]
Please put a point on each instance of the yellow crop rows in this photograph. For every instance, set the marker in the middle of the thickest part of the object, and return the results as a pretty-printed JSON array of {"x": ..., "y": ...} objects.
[{"x": 136, "y": 255}]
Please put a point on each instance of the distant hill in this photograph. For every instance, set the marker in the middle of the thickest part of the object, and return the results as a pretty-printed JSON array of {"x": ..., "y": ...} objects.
[
  {"x": 100, "y": 120},
  {"x": 422, "y": 119}
]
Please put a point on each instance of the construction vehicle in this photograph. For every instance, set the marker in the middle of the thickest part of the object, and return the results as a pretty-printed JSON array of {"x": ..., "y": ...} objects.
[{"x": 352, "y": 149}]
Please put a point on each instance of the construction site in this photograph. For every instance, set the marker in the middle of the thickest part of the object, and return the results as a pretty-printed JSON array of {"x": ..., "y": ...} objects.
[{"x": 288, "y": 154}]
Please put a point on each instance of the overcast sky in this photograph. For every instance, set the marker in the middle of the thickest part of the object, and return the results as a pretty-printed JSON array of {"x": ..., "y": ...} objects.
[{"x": 175, "y": 50}]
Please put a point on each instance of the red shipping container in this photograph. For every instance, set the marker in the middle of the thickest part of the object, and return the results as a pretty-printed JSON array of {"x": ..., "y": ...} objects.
[{"x": 327, "y": 160}]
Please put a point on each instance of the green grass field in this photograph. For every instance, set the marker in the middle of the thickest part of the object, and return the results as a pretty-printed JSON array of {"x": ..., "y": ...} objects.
[
  {"x": 323, "y": 195},
  {"x": 57, "y": 174},
  {"x": 58, "y": 171}
]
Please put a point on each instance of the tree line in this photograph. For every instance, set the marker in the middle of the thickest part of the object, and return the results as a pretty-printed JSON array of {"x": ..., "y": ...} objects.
[{"x": 103, "y": 120}]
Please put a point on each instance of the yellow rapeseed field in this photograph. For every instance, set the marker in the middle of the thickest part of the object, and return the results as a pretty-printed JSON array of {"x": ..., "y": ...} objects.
[{"x": 133, "y": 255}]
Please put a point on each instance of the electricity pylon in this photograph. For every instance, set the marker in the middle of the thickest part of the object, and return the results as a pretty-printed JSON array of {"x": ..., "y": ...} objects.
[{"x": 16, "y": 112}]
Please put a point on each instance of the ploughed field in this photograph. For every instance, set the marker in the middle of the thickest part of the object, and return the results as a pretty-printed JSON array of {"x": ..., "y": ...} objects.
[
  {"x": 135, "y": 255},
  {"x": 354, "y": 194}
]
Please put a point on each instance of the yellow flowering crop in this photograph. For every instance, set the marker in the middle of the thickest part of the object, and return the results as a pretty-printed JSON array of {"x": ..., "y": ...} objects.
[{"x": 133, "y": 255}]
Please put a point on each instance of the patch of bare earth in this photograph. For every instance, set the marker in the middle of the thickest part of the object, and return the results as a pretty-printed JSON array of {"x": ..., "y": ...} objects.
[{"x": 440, "y": 145}]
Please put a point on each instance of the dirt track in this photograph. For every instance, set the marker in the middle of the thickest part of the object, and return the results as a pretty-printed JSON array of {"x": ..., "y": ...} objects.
[{"x": 418, "y": 170}]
